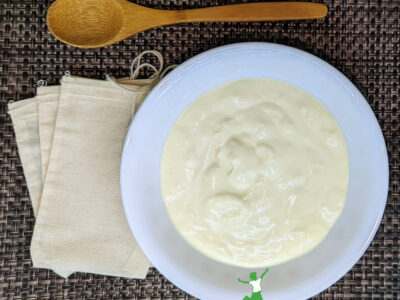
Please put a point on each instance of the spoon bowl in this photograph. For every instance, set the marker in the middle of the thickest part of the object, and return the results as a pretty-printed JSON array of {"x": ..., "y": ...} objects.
[
  {"x": 98, "y": 23},
  {"x": 86, "y": 23}
]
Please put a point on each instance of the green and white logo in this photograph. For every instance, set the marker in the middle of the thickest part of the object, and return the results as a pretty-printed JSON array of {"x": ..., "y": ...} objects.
[{"x": 256, "y": 284}]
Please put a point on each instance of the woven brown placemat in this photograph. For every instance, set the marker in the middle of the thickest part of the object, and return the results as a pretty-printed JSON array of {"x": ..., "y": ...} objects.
[{"x": 359, "y": 37}]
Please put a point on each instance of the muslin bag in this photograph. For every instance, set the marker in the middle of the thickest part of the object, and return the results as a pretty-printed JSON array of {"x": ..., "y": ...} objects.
[
  {"x": 47, "y": 108},
  {"x": 25, "y": 118},
  {"x": 93, "y": 251},
  {"x": 24, "y": 115},
  {"x": 47, "y": 102},
  {"x": 80, "y": 225}
]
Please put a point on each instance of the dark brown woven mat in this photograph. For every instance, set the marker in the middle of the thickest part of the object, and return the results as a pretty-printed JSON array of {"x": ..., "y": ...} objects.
[{"x": 359, "y": 37}]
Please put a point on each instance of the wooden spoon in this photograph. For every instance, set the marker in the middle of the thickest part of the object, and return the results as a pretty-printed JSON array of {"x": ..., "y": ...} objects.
[{"x": 98, "y": 23}]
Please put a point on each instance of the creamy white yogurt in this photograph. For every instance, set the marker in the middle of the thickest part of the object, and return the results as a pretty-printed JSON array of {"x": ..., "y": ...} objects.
[{"x": 255, "y": 172}]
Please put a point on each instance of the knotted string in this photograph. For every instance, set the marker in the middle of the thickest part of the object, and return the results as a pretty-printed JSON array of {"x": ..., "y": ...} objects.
[{"x": 137, "y": 65}]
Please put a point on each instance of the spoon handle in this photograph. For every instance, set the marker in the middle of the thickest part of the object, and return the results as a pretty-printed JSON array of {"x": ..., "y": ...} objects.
[{"x": 270, "y": 11}]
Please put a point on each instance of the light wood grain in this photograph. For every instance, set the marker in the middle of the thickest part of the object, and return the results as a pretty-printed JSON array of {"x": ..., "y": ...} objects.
[{"x": 98, "y": 23}]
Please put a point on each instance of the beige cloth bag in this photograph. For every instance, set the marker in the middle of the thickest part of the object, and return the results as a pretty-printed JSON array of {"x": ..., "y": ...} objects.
[
  {"x": 24, "y": 115},
  {"x": 47, "y": 107},
  {"x": 81, "y": 225},
  {"x": 25, "y": 118}
]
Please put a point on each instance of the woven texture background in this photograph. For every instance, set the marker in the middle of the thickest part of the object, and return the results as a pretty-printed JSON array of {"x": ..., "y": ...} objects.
[{"x": 359, "y": 37}]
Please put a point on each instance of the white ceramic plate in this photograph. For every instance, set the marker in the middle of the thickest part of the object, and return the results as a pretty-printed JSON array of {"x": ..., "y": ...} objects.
[{"x": 140, "y": 173}]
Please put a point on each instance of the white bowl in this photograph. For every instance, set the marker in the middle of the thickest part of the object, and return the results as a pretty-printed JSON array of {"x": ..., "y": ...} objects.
[{"x": 140, "y": 173}]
